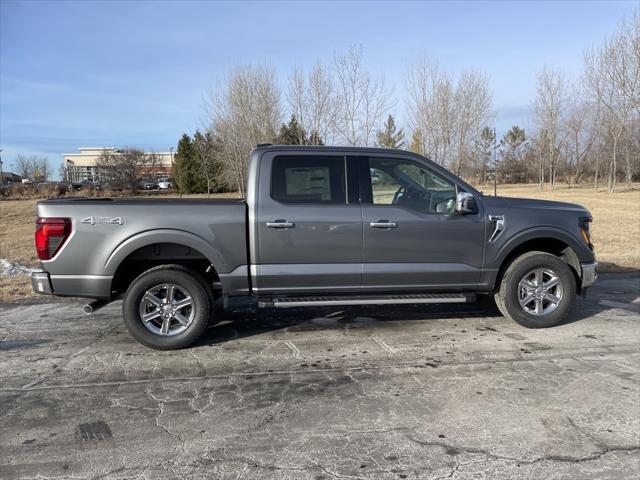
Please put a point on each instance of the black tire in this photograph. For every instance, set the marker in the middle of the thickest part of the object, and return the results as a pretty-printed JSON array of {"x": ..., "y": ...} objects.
[
  {"x": 508, "y": 297},
  {"x": 184, "y": 280}
]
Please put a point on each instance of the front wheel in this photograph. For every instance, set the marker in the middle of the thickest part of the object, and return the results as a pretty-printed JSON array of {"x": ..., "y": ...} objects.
[
  {"x": 537, "y": 290},
  {"x": 167, "y": 307}
]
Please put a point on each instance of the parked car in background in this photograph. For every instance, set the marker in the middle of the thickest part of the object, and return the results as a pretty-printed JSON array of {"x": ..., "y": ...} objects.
[
  {"x": 164, "y": 185},
  {"x": 111, "y": 187},
  {"x": 149, "y": 185}
]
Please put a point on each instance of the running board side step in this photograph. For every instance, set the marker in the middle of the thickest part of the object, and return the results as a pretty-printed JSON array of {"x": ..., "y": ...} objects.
[{"x": 322, "y": 301}]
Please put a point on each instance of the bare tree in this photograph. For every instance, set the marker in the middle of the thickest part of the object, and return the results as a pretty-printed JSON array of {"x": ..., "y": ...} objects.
[
  {"x": 125, "y": 168},
  {"x": 472, "y": 109},
  {"x": 24, "y": 166},
  {"x": 429, "y": 102},
  {"x": 549, "y": 106},
  {"x": 298, "y": 102},
  {"x": 310, "y": 99},
  {"x": 33, "y": 167},
  {"x": 243, "y": 112},
  {"x": 62, "y": 172},
  {"x": 321, "y": 105},
  {"x": 449, "y": 114},
  {"x": 361, "y": 100},
  {"x": 612, "y": 76},
  {"x": 582, "y": 132}
]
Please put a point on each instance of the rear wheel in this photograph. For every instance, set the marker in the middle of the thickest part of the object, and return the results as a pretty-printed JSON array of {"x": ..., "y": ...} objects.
[
  {"x": 167, "y": 307},
  {"x": 537, "y": 290}
]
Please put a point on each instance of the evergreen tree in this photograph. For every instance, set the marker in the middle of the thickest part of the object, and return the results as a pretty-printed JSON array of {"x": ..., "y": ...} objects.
[
  {"x": 511, "y": 167},
  {"x": 486, "y": 145},
  {"x": 514, "y": 138},
  {"x": 292, "y": 133},
  {"x": 185, "y": 175},
  {"x": 389, "y": 136}
]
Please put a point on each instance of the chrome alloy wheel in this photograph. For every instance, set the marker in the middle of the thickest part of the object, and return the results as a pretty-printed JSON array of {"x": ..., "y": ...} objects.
[
  {"x": 540, "y": 292},
  {"x": 166, "y": 309}
]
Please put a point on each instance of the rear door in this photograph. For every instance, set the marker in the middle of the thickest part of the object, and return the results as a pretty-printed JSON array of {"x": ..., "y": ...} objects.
[
  {"x": 309, "y": 225},
  {"x": 413, "y": 239}
]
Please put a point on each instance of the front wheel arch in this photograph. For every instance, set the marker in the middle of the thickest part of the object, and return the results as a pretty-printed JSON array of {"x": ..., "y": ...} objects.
[{"x": 551, "y": 245}]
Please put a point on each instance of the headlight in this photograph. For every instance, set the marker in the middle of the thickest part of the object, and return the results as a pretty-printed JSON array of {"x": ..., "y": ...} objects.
[{"x": 585, "y": 231}]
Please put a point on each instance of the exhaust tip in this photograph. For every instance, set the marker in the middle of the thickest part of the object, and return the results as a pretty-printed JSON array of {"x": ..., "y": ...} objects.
[{"x": 90, "y": 308}]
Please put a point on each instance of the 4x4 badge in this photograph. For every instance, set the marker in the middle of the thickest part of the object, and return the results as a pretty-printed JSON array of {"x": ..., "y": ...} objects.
[{"x": 103, "y": 220}]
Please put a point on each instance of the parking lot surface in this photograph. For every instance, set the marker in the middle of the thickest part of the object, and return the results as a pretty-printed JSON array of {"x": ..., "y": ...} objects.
[{"x": 389, "y": 392}]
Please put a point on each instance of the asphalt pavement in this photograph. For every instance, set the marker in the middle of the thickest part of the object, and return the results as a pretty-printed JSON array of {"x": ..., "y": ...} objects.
[{"x": 391, "y": 392}]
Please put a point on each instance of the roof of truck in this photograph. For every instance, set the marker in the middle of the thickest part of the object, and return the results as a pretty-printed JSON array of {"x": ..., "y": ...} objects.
[{"x": 332, "y": 148}]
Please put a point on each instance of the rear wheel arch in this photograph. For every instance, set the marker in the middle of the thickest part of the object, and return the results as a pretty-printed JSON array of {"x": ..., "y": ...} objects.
[
  {"x": 162, "y": 236},
  {"x": 151, "y": 255}
]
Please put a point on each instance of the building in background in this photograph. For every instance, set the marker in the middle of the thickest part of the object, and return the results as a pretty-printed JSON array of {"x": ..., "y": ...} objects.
[
  {"x": 80, "y": 167},
  {"x": 9, "y": 178}
]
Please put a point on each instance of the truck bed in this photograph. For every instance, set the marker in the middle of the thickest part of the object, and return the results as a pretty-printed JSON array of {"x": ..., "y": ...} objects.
[{"x": 108, "y": 230}]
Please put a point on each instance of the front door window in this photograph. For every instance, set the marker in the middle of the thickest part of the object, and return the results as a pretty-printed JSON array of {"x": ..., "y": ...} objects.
[{"x": 407, "y": 184}]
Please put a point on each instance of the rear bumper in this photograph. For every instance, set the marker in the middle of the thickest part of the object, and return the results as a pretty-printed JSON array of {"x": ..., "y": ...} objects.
[
  {"x": 41, "y": 283},
  {"x": 589, "y": 274},
  {"x": 88, "y": 286}
]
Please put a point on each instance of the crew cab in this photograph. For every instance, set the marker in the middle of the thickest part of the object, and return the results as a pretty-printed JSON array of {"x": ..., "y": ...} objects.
[{"x": 319, "y": 226}]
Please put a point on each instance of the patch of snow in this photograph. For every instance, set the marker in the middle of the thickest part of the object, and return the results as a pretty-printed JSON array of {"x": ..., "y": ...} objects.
[{"x": 13, "y": 269}]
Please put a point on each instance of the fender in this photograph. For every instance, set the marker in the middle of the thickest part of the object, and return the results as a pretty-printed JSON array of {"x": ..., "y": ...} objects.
[
  {"x": 534, "y": 233},
  {"x": 180, "y": 237}
]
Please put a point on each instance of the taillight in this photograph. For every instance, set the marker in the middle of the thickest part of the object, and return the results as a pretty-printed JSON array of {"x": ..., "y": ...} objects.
[{"x": 51, "y": 233}]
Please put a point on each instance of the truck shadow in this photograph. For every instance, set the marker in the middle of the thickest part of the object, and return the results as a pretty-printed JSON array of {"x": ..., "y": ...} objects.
[{"x": 247, "y": 320}]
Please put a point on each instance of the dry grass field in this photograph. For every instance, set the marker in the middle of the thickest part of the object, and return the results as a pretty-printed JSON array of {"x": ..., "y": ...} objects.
[{"x": 615, "y": 229}]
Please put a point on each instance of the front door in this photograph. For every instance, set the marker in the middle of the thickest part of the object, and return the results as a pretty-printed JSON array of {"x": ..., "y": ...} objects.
[
  {"x": 413, "y": 239},
  {"x": 309, "y": 225}
]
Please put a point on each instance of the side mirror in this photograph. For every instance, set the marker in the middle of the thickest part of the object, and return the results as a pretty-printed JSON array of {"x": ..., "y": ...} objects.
[{"x": 465, "y": 203}]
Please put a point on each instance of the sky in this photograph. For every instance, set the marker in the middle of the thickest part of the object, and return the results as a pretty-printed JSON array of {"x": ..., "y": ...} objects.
[{"x": 118, "y": 73}]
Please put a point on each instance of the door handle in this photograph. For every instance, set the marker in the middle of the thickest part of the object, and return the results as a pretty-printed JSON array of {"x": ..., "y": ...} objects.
[
  {"x": 383, "y": 224},
  {"x": 280, "y": 224}
]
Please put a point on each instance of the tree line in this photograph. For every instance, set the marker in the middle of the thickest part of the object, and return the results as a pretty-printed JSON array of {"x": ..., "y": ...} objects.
[
  {"x": 584, "y": 129},
  {"x": 33, "y": 167}
]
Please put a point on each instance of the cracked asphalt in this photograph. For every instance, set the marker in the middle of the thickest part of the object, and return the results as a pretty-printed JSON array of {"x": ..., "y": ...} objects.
[{"x": 388, "y": 392}]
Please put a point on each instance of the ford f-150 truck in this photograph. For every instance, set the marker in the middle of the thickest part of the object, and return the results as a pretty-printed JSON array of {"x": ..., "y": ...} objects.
[{"x": 319, "y": 226}]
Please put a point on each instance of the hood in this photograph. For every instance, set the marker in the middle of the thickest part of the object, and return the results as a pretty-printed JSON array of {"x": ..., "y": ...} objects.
[{"x": 544, "y": 205}]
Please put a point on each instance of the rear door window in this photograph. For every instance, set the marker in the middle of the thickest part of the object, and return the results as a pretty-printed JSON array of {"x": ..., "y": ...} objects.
[{"x": 308, "y": 179}]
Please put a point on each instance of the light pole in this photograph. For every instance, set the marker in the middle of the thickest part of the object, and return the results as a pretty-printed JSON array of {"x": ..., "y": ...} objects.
[
  {"x": 171, "y": 150},
  {"x": 495, "y": 163},
  {"x": 1, "y": 174}
]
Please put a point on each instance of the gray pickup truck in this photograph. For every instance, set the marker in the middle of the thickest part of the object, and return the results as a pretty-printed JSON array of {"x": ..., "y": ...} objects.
[{"x": 319, "y": 226}]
